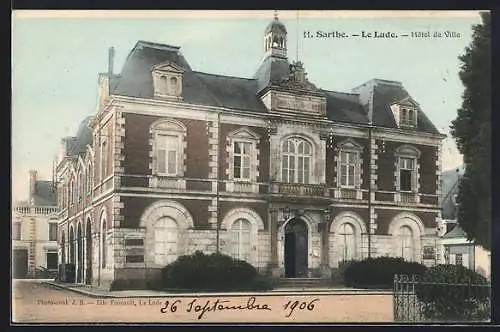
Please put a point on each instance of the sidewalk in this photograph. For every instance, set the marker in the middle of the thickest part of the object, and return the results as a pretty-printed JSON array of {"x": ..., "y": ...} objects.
[{"x": 101, "y": 293}]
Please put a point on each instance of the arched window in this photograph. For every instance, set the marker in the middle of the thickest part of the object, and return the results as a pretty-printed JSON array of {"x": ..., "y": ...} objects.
[
  {"x": 104, "y": 159},
  {"x": 71, "y": 192},
  {"x": 240, "y": 239},
  {"x": 347, "y": 242},
  {"x": 89, "y": 177},
  {"x": 405, "y": 243},
  {"x": 296, "y": 161},
  {"x": 103, "y": 240},
  {"x": 63, "y": 248},
  {"x": 166, "y": 237}
]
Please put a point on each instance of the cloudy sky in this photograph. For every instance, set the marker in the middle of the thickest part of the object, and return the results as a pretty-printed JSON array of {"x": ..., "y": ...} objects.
[{"x": 56, "y": 57}]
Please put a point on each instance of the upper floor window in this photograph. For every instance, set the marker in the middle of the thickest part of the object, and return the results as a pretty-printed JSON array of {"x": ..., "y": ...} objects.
[
  {"x": 16, "y": 231},
  {"x": 296, "y": 161},
  {"x": 167, "y": 80},
  {"x": 168, "y": 148},
  {"x": 241, "y": 160},
  {"x": 81, "y": 185},
  {"x": 89, "y": 178},
  {"x": 405, "y": 112},
  {"x": 407, "y": 169},
  {"x": 104, "y": 159},
  {"x": 53, "y": 231},
  {"x": 349, "y": 165},
  {"x": 71, "y": 193},
  {"x": 243, "y": 155}
]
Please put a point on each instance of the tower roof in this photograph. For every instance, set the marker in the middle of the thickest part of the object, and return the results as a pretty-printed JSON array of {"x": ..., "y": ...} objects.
[{"x": 275, "y": 26}]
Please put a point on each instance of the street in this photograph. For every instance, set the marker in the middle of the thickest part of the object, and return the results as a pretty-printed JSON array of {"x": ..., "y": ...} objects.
[{"x": 34, "y": 302}]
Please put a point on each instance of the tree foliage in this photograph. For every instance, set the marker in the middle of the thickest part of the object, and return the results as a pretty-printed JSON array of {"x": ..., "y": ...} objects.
[{"x": 472, "y": 131}]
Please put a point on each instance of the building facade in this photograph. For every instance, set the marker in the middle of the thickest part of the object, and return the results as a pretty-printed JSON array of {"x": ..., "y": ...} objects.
[
  {"x": 455, "y": 246},
  {"x": 270, "y": 169},
  {"x": 34, "y": 230}
]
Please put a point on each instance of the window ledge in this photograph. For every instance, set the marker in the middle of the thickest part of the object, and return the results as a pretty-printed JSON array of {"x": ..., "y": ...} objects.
[
  {"x": 242, "y": 186},
  {"x": 161, "y": 181}
]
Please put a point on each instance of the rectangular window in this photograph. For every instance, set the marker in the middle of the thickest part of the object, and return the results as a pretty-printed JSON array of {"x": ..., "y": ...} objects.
[
  {"x": 104, "y": 160},
  {"x": 348, "y": 161},
  {"x": 167, "y": 147},
  {"x": 458, "y": 259},
  {"x": 16, "y": 231},
  {"x": 51, "y": 260},
  {"x": 406, "y": 173},
  {"x": 52, "y": 231},
  {"x": 241, "y": 160}
]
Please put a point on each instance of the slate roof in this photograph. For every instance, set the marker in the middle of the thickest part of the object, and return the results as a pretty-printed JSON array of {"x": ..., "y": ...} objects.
[
  {"x": 136, "y": 80},
  {"x": 449, "y": 188},
  {"x": 45, "y": 195},
  {"x": 275, "y": 26},
  {"x": 456, "y": 232},
  {"x": 386, "y": 94},
  {"x": 77, "y": 145}
]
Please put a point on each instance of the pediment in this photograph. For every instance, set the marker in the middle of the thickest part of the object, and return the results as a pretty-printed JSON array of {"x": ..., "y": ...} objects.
[
  {"x": 408, "y": 101},
  {"x": 168, "y": 67},
  {"x": 244, "y": 133}
]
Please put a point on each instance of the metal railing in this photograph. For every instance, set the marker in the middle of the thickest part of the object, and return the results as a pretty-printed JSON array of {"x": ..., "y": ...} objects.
[
  {"x": 42, "y": 210},
  {"x": 420, "y": 301}
]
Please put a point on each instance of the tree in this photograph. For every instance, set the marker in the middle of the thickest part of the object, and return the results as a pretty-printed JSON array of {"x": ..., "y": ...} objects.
[{"x": 471, "y": 130}]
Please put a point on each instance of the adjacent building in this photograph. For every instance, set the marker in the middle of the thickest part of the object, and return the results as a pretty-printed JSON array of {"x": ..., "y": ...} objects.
[
  {"x": 34, "y": 230},
  {"x": 455, "y": 246},
  {"x": 272, "y": 169}
]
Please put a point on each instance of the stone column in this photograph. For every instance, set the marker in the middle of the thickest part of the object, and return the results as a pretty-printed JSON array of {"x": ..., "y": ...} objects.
[
  {"x": 325, "y": 269},
  {"x": 273, "y": 227}
]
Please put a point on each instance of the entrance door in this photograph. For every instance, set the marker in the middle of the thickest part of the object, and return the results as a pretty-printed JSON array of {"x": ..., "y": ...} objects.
[
  {"x": 20, "y": 263},
  {"x": 296, "y": 249}
]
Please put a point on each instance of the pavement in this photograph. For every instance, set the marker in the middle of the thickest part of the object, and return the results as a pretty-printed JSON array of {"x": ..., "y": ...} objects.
[
  {"x": 102, "y": 293},
  {"x": 43, "y": 301}
]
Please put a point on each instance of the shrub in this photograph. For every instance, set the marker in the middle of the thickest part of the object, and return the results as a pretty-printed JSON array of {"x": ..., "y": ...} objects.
[
  {"x": 211, "y": 272},
  {"x": 127, "y": 284},
  {"x": 379, "y": 272},
  {"x": 453, "y": 292}
]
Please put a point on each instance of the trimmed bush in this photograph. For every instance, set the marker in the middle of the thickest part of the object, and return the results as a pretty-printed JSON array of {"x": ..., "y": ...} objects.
[
  {"x": 379, "y": 272},
  {"x": 454, "y": 293},
  {"x": 215, "y": 272}
]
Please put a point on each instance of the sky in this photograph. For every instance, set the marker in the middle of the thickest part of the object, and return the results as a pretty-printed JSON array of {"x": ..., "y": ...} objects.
[{"x": 56, "y": 58}]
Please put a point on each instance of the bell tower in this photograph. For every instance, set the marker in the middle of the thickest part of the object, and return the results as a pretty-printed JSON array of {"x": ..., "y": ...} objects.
[{"x": 275, "y": 38}]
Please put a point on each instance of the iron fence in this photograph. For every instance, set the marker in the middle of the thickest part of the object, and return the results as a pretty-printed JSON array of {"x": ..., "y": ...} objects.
[{"x": 415, "y": 301}]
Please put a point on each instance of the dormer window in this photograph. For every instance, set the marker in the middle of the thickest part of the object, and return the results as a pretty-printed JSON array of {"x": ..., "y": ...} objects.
[
  {"x": 405, "y": 112},
  {"x": 407, "y": 117},
  {"x": 167, "y": 80}
]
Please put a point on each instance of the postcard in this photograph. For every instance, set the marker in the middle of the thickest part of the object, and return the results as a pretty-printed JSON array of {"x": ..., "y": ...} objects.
[{"x": 243, "y": 167}]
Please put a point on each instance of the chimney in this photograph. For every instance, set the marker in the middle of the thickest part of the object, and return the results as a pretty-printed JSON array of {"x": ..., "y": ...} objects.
[
  {"x": 32, "y": 184},
  {"x": 111, "y": 58}
]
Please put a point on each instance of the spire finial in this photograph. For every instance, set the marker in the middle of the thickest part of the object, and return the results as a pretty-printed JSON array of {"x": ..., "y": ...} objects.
[{"x": 275, "y": 15}]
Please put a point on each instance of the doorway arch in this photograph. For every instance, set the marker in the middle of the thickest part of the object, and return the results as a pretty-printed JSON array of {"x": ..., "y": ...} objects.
[
  {"x": 79, "y": 245},
  {"x": 296, "y": 248},
  {"x": 88, "y": 252}
]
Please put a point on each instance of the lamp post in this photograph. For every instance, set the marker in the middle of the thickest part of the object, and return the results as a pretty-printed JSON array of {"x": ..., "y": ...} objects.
[{"x": 286, "y": 216}]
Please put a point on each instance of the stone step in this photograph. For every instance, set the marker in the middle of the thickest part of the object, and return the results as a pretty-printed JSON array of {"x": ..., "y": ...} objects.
[{"x": 304, "y": 282}]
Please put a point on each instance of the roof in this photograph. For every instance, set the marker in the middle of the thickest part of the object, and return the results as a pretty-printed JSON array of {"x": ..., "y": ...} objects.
[
  {"x": 450, "y": 181},
  {"x": 77, "y": 145},
  {"x": 45, "y": 195},
  {"x": 456, "y": 232},
  {"x": 243, "y": 94},
  {"x": 275, "y": 26},
  {"x": 384, "y": 95}
]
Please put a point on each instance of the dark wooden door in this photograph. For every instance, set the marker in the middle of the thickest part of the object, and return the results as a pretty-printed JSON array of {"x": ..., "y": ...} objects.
[
  {"x": 296, "y": 249},
  {"x": 20, "y": 263}
]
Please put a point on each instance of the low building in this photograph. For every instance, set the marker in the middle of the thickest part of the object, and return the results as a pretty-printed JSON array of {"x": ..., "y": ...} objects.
[
  {"x": 271, "y": 169},
  {"x": 455, "y": 246},
  {"x": 34, "y": 230}
]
